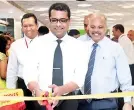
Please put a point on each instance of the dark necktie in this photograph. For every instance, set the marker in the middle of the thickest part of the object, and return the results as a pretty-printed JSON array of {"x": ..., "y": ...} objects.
[
  {"x": 87, "y": 84},
  {"x": 58, "y": 66}
]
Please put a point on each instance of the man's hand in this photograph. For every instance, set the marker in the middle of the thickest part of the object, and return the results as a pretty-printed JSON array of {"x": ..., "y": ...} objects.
[
  {"x": 127, "y": 106},
  {"x": 39, "y": 93},
  {"x": 56, "y": 92}
]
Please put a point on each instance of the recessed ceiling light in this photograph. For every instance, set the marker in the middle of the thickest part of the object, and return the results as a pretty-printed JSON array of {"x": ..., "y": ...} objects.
[
  {"x": 20, "y": 17},
  {"x": 111, "y": 19},
  {"x": 114, "y": 14},
  {"x": 75, "y": 17},
  {"x": 44, "y": 14},
  {"x": 80, "y": 11},
  {"x": 10, "y": 11},
  {"x": 41, "y": 9},
  {"x": 127, "y": 6},
  {"x": 30, "y": 8},
  {"x": 133, "y": 24},
  {"x": 84, "y": 5}
]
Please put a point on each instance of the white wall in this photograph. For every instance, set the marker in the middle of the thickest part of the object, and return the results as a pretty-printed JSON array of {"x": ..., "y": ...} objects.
[{"x": 17, "y": 29}]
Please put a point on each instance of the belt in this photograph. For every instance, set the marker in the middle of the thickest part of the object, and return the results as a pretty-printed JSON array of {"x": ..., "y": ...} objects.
[{"x": 102, "y": 99}]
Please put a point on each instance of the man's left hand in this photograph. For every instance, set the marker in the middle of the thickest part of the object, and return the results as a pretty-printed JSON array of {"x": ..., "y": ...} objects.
[{"x": 127, "y": 106}]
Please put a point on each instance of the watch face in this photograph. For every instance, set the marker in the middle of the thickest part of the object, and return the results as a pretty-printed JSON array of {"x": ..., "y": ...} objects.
[{"x": 33, "y": 93}]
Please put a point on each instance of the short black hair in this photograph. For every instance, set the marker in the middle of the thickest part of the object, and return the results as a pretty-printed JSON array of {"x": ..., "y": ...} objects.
[
  {"x": 119, "y": 27},
  {"x": 28, "y": 15},
  {"x": 43, "y": 30},
  {"x": 60, "y": 7},
  {"x": 73, "y": 32},
  {"x": 1, "y": 32},
  {"x": 3, "y": 43}
]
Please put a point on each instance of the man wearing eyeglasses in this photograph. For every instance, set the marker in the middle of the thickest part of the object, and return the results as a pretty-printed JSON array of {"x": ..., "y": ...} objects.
[
  {"x": 56, "y": 59},
  {"x": 86, "y": 36}
]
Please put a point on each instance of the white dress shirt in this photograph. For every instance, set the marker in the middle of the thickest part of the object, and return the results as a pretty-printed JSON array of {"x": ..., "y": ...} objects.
[
  {"x": 39, "y": 67},
  {"x": 128, "y": 47},
  {"x": 110, "y": 68},
  {"x": 133, "y": 42},
  {"x": 84, "y": 37},
  {"x": 17, "y": 55}
]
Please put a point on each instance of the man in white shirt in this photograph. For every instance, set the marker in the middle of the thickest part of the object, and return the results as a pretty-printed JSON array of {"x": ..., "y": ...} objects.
[
  {"x": 131, "y": 35},
  {"x": 109, "y": 67},
  {"x": 18, "y": 53},
  {"x": 86, "y": 36},
  {"x": 125, "y": 42},
  {"x": 41, "y": 60}
]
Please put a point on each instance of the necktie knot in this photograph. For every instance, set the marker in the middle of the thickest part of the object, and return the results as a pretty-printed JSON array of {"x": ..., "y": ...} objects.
[
  {"x": 59, "y": 41},
  {"x": 95, "y": 45}
]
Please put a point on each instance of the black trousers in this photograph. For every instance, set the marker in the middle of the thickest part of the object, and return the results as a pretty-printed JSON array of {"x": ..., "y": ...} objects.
[
  {"x": 132, "y": 72},
  {"x": 67, "y": 104},
  {"x": 83, "y": 104},
  {"x": 98, "y": 104},
  {"x": 30, "y": 105}
]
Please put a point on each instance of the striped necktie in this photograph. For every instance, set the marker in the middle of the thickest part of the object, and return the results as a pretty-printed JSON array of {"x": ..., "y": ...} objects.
[{"x": 87, "y": 84}]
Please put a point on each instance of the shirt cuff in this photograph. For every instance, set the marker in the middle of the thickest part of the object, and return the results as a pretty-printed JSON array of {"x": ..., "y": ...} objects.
[{"x": 127, "y": 99}]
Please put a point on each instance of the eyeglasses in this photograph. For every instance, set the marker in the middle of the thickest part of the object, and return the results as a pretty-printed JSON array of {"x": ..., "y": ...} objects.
[{"x": 62, "y": 20}]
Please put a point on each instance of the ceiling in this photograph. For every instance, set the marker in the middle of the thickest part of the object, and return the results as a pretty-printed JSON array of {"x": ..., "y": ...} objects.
[
  {"x": 116, "y": 11},
  {"x": 9, "y": 11}
]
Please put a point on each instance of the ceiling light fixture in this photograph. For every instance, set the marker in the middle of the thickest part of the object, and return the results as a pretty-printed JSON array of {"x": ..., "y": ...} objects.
[
  {"x": 10, "y": 12},
  {"x": 128, "y": 6},
  {"x": 84, "y": 5},
  {"x": 44, "y": 14},
  {"x": 41, "y": 9},
  {"x": 111, "y": 19},
  {"x": 114, "y": 14},
  {"x": 30, "y": 8}
]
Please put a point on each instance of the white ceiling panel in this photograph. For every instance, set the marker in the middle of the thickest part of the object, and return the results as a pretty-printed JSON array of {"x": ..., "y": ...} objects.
[{"x": 116, "y": 11}]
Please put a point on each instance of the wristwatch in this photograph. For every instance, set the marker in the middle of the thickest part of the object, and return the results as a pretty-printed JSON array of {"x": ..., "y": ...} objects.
[{"x": 34, "y": 93}]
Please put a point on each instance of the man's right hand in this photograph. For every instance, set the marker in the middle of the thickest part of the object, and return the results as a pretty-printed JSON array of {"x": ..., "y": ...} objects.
[{"x": 39, "y": 93}]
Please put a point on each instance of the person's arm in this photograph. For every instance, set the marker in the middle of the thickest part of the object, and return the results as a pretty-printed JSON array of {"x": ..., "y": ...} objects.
[
  {"x": 31, "y": 65},
  {"x": 3, "y": 67},
  {"x": 124, "y": 75},
  {"x": 12, "y": 68}
]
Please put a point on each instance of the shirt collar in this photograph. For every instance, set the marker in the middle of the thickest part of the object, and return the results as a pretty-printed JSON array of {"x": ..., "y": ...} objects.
[
  {"x": 122, "y": 35},
  {"x": 101, "y": 43},
  {"x": 88, "y": 37},
  {"x": 28, "y": 40},
  {"x": 54, "y": 38}
]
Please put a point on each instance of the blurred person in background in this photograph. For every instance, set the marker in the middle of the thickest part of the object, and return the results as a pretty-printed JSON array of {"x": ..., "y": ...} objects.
[
  {"x": 74, "y": 33},
  {"x": 3, "y": 61},
  {"x": 8, "y": 44},
  {"x": 86, "y": 36},
  {"x": 7, "y": 34},
  {"x": 126, "y": 44},
  {"x": 131, "y": 35},
  {"x": 43, "y": 30}
]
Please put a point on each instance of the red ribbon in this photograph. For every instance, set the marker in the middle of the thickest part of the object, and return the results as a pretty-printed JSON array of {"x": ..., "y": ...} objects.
[{"x": 46, "y": 103}]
